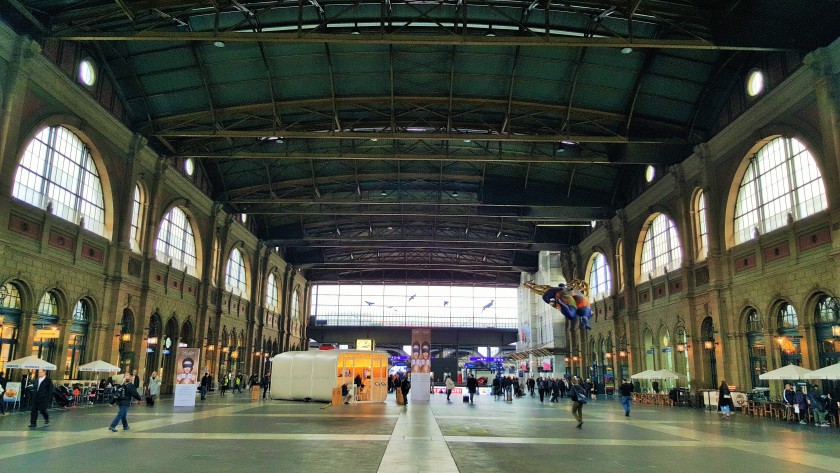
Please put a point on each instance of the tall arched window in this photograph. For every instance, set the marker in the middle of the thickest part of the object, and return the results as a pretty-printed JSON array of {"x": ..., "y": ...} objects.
[
  {"x": 661, "y": 249},
  {"x": 271, "y": 293},
  {"x": 789, "y": 338},
  {"x": 58, "y": 170},
  {"x": 45, "y": 348},
  {"x": 10, "y": 312},
  {"x": 782, "y": 180},
  {"x": 827, "y": 319},
  {"x": 600, "y": 282},
  {"x": 78, "y": 339},
  {"x": 700, "y": 226},
  {"x": 235, "y": 277},
  {"x": 296, "y": 305},
  {"x": 176, "y": 242},
  {"x": 137, "y": 219},
  {"x": 757, "y": 347},
  {"x": 619, "y": 263}
]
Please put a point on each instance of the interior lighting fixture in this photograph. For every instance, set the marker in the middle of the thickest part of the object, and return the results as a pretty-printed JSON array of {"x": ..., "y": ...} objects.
[
  {"x": 356, "y": 29},
  {"x": 87, "y": 72},
  {"x": 681, "y": 347},
  {"x": 467, "y": 141},
  {"x": 455, "y": 194},
  {"x": 835, "y": 330},
  {"x": 593, "y": 223},
  {"x": 755, "y": 83},
  {"x": 626, "y": 50},
  {"x": 126, "y": 337},
  {"x": 219, "y": 44},
  {"x": 490, "y": 31},
  {"x": 708, "y": 344},
  {"x": 622, "y": 353},
  {"x": 152, "y": 340},
  {"x": 650, "y": 173},
  {"x": 383, "y": 193}
]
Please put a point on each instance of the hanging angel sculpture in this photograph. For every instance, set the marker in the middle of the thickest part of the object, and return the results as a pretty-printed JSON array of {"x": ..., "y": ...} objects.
[{"x": 572, "y": 299}]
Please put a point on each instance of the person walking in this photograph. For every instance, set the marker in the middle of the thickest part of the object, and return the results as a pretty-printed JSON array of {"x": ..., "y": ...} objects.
[
  {"x": 123, "y": 400},
  {"x": 224, "y": 384},
  {"x": 265, "y": 383},
  {"x": 626, "y": 391},
  {"x": 725, "y": 399},
  {"x": 450, "y": 385},
  {"x": 42, "y": 396},
  {"x": 541, "y": 388},
  {"x": 154, "y": 388},
  {"x": 405, "y": 386},
  {"x": 472, "y": 386},
  {"x": 206, "y": 382},
  {"x": 578, "y": 397}
]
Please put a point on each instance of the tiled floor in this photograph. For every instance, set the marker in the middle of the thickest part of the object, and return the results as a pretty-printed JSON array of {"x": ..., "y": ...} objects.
[{"x": 236, "y": 434}]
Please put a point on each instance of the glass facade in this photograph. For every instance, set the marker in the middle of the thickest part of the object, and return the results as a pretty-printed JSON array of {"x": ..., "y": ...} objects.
[{"x": 425, "y": 306}]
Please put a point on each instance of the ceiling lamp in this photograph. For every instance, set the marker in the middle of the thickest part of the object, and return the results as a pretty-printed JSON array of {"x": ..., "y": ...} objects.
[
  {"x": 383, "y": 193},
  {"x": 650, "y": 173},
  {"x": 490, "y": 31},
  {"x": 626, "y": 50},
  {"x": 219, "y": 44},
  {"x": 455, "y": 194},
  {"x": 356, "y": 30}
]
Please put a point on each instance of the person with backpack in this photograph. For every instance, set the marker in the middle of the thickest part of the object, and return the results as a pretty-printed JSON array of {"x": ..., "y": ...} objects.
[
  {"x": 122, "y": 396},
  {"x": 405, "y": 387},
  {"x": 578, "y": 397}
]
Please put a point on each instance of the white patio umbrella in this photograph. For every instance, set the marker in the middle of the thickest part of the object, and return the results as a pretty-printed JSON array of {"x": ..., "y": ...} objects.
[
  {"x": 646, "y": 374},
  {"x": 30, "y": 363},
  {"x": 667, "y": 374},
  {"x": 786, "y": 372},
  {"x": 829, "y": 372},
  {"x": 100, "y": 366}
]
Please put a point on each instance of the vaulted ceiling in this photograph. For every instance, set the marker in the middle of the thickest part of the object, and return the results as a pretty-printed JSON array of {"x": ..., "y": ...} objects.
[{"x": 426, "y": 141}]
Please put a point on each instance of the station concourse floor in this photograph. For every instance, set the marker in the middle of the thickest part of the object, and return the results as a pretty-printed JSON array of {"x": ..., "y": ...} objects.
[{"x": 233, "y": 433}]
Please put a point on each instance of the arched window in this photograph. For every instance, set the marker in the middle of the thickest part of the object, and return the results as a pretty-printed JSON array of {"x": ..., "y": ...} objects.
[
  {"x": 271, "y": 293},
  {"x": 661, "y": 249},
  {"x": 600, "y": 282},
  {"x": 789, "y": 338},
  {"x": 137, "y": 219},
  {"x": 78, "y": 339},
  {"x": 296, "y": 305},
  {"x": 782, "y": 181},
  {"x": 58, "y": 170},
  {"x": 235, "y": 278},
  {"x": 757, "y": 348},
  {"x": 48, "y": 307},
  {"x": 176, "y": 242},
  {"x": 827, "y": 318},
  {"x": 619, "y": 263},
  {"x": 700, "y": 226},
  {"x": 10, "y": 313}
]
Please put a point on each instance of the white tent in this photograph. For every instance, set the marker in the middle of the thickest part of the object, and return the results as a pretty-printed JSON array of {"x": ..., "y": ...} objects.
[
  {"x": 99, "y": 366},
  {"x": 30, "y": 363},
  {"x": 829, "y": 372},
  {"x": 667, "y": 374},
  {"x": 786, "y": 372},
  {"x": 646, "y": 374}
]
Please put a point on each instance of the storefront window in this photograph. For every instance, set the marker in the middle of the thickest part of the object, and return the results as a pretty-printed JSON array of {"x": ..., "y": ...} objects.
[
  {"x": 757, "y": 349},
  {"x": 9, "y": 322},
  {"x": 45, "y": 337},
  {"x": 789, "y": 337}
]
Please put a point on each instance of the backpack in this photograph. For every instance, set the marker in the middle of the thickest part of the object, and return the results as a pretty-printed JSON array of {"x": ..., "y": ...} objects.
[
  {"x": 118, "y": 394},
  {"x": 580, "y": 396}
]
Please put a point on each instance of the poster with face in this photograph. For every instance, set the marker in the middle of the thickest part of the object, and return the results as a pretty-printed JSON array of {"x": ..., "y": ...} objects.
[
  {"x": 421, "y": 350},
  {"x": 186, "y": 380},
  {"x": 186, "y": 365}
]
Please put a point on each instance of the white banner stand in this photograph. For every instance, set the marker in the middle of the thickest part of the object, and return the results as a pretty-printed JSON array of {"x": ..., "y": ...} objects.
[{"x": 420, "y": 386}]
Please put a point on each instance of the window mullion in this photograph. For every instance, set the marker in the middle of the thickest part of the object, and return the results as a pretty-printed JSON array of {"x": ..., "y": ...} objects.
[
  {"x": 47, "y": 171},
  {"x": 759, "y": 195},
  {"x": 794, "y": 196}
]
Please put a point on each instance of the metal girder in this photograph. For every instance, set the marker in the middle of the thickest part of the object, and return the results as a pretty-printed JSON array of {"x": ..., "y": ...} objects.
[
  {"x": 405, "y": 39},
  {"x": 351, "y": 135}
]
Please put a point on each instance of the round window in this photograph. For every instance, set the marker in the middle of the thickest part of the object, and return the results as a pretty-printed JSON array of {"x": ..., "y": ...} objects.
[
  {"x": 755, "y": 83},
  {"x": 650, "y": 173},
  {"x": 87, "y": 72},
  {"x": 189, "y": 166}
]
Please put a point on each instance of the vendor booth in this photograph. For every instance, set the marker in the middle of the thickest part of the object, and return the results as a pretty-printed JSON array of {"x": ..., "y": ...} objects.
[{"x": 312, "y": 375}]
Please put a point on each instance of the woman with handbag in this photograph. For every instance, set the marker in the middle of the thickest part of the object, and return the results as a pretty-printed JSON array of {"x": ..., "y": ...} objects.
[{"x": 725, "y": 399}]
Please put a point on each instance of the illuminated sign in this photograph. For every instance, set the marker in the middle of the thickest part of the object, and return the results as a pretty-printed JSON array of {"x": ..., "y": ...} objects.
[
  {"x": 483, "y": 359},
  {"x": 47, "y": 333}
]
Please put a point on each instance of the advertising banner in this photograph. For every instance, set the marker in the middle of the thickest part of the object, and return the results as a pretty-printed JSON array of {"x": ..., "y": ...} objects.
[
  {"x": 12, "y": 392},
  {"x": 186, "y": 380},
  {"x": 421, "y": 364}
]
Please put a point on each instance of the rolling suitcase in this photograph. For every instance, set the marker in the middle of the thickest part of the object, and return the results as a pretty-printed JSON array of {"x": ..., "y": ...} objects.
[{"x": 466, "y": 398}]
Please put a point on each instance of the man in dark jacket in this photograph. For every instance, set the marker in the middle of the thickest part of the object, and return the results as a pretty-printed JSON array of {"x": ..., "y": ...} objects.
[
  {"x": 265, "y": 383},
  {"x": 626, "y": 391},
  {"x": 405, "y": 387},
  {"x": 472, "y": 386},
  {"x": 206, "y": 384},
  {"x": 42, "y": 396},
  {"x": 129, "y": 393},
  {"x": 817, "y": 406}
]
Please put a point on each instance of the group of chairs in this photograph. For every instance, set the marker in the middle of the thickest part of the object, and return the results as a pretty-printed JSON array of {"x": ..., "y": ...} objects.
[{"x": 785, "y": 412}]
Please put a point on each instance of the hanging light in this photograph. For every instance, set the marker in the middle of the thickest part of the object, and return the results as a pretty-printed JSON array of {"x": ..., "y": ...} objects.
[
  {"x": 126, "y": 337},
  {"x": 681, "y": 347}
]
